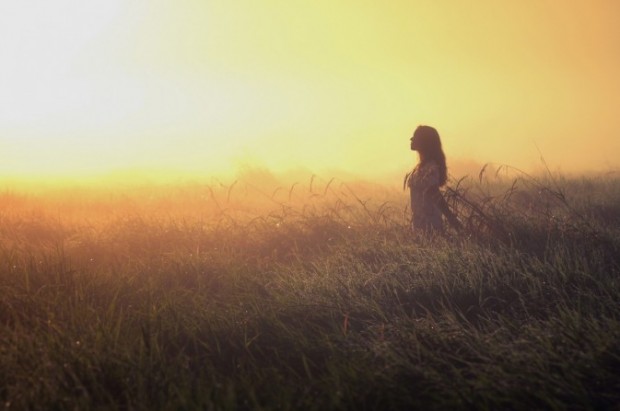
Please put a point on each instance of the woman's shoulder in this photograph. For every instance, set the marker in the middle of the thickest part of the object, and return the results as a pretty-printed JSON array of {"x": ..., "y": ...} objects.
[
  {"x": 425, "y": 174},
  {"x": 429, "y": 168},
  {"x": 430, "y": 165}
]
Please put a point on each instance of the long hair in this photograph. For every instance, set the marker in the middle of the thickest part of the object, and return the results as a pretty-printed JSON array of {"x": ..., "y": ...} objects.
[{"x": 426, "y": 141}]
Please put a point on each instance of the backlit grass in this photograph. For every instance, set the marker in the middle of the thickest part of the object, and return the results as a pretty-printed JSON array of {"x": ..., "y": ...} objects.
[{"x": 315, "y": 296}]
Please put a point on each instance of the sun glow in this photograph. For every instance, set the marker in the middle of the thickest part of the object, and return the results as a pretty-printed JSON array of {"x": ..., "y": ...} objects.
[{"x": 192, "y": 88}]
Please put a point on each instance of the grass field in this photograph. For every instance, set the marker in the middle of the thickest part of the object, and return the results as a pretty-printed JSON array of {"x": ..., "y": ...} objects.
[{"x": 313, "y": 296}]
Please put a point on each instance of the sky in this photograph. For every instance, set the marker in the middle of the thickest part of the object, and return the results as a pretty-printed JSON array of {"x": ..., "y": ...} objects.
[{"x": 166, "y": 88}]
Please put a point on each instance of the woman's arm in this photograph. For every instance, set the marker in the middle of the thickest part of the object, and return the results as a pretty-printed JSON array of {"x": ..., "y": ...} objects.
[{"x": 440, "y": 202}]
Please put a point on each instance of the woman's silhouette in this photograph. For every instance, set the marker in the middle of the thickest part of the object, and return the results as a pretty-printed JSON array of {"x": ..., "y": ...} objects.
[{"x": 427, "y": 203}]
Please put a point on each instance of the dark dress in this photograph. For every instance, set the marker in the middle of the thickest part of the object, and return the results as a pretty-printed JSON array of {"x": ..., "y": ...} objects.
[{"x": 422, "y": 182}]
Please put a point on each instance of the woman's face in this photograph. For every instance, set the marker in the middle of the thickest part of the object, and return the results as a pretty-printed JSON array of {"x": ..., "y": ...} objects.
[{"x": 414, "y": 145}]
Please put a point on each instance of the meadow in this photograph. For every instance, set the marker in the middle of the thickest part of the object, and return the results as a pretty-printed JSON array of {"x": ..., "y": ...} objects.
[{"x": 311, "y": 296}]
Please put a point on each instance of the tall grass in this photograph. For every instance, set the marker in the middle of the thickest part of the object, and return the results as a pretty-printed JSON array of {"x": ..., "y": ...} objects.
[{"x": 315, "y": 296}]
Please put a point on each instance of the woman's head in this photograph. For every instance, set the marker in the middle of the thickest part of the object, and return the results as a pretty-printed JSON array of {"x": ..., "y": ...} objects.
[
  {"x": 425, "y": 140},
  {"x": 427, "y": 143}
]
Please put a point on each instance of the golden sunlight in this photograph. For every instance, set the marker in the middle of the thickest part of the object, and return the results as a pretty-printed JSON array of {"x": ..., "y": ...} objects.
[{"x": 193, "y": 88}]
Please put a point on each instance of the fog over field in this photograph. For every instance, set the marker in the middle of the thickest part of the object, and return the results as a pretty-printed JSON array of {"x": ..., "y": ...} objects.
[{"x": 212, "y": 205}]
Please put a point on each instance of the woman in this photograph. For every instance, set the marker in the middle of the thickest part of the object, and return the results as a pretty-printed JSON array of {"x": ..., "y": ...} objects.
[{"x": 427, "y": 203}]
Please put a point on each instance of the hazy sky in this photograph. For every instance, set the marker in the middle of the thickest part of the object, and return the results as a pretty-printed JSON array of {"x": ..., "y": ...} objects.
[{"x": 199, "y": 86}]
